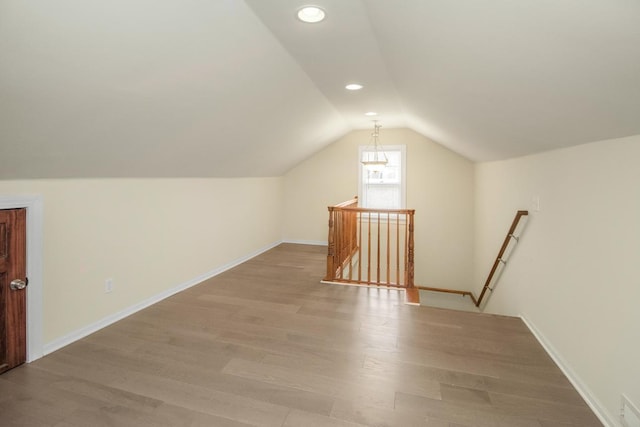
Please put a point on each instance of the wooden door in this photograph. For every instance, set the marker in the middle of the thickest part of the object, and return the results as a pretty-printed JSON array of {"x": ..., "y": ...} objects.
[{"x": 13, "y": 296}]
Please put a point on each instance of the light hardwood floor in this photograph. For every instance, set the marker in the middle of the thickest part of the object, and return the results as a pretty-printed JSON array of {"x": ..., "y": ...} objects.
[{"x": 266, "y": 344}]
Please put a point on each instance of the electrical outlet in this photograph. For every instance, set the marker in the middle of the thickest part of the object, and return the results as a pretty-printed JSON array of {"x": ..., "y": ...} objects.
[
  {"x": 108, "y": 286},
  {"x": 629, "y": 413}
]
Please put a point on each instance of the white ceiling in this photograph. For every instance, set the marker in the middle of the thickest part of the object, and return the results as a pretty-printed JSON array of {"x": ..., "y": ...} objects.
[{"x": 153, "y": 88}]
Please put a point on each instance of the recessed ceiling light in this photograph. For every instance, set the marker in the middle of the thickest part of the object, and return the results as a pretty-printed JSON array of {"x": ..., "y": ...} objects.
[
  {"x": 353, "y": 86},
  {"x": 311, "y": 14},
  {"x": 371, "y": 114}
]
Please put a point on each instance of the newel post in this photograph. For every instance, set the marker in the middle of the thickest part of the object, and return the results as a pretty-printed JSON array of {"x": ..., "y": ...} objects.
[
  {"x": 410, "y": 255},
  {"x": 331, "y": 246}
]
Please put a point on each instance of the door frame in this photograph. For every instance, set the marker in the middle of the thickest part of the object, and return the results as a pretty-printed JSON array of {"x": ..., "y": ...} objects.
[{"x": 33, "y": 205}]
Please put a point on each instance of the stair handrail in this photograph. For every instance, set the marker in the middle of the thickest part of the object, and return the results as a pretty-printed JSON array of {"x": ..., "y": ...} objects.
[
  {"x": 499, "y": 260},
  {"x": 344, "y": 242}
]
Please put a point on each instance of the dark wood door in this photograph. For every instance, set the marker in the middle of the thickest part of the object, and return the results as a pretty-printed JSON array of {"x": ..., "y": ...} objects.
[{"x": 13, "y": 297}]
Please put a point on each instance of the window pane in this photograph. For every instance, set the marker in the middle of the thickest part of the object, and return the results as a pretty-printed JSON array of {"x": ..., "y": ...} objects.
[
  {"x": 382, "y": 189},
  {"x": 382, "y": 196}
]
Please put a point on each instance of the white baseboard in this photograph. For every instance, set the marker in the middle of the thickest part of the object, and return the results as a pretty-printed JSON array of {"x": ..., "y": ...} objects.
[
  {"x": 112, "y": 318},
  {"x": 596, "y": 406},
  {"x": 306, "y": 242}
]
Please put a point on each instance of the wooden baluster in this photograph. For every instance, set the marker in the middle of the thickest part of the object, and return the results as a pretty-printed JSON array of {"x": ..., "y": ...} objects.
[
  {"x": 406, "y": 249},
  {"x": 388, "y": 249},
  {"x": 345, "y": 242},
  {"x": 351, "y": 247},
  {"x": 369, "y": 247},
  {"x": 378, "y": 253},
  {"x": 354, "y": 228},
  {"x": 359, "y": 217},
  {"x": 397, "y": 249},
  {"x": 341, "y": 251},
  {"x": 338, "y": 256}
]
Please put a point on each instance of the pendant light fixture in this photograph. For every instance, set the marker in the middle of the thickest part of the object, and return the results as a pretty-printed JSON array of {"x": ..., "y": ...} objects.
[{"x": 375, "y": 159}]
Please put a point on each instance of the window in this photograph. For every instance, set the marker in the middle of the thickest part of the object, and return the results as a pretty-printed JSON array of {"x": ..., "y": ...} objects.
[{"x": 385, "y": 189}]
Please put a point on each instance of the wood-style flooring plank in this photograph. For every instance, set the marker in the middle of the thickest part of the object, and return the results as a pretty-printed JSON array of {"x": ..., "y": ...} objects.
[{"x": 266, "y": 344}]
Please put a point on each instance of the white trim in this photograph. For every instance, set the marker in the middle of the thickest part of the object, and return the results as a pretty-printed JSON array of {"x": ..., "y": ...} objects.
[
  {"x": 33, "y": 204},
  {"x": 596, "y": 406},
  {"x": 112, "y": 318},
  {"x": 306, "y": 242}
]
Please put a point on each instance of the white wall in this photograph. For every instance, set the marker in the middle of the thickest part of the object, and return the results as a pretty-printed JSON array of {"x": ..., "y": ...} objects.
[
  {"x": 149, "y": 235},
  {"x": 575, "y": 275},
  {"x": 440, "y": 187}
]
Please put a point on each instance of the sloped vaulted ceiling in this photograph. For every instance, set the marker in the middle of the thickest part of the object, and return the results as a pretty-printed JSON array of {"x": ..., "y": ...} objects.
[
  {"x": 131, "y": 88},
  {"x": 152, "y": 88}
]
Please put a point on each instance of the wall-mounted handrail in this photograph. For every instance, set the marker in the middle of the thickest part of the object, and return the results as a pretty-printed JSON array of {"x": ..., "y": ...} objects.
[{"x": 499, "y": 259}]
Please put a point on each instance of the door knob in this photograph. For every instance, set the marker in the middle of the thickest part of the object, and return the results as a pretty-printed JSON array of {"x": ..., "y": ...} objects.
[{"x": 18, "y": 284}]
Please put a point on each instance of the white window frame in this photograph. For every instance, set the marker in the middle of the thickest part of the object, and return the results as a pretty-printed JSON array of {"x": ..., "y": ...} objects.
[{"x": 403, "y": 172}]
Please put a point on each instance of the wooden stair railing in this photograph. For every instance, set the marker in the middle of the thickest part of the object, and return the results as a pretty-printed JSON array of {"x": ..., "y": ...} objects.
[
  {"x": 342, "y": 236},
  {"x": 499, "y": 260},
  {"x": 361, "y": 247},
  {"x": 451, "y": 291}
]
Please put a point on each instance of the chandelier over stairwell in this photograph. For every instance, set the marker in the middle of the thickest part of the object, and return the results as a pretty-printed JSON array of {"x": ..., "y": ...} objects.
[{"x": 374, "y": 158}]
